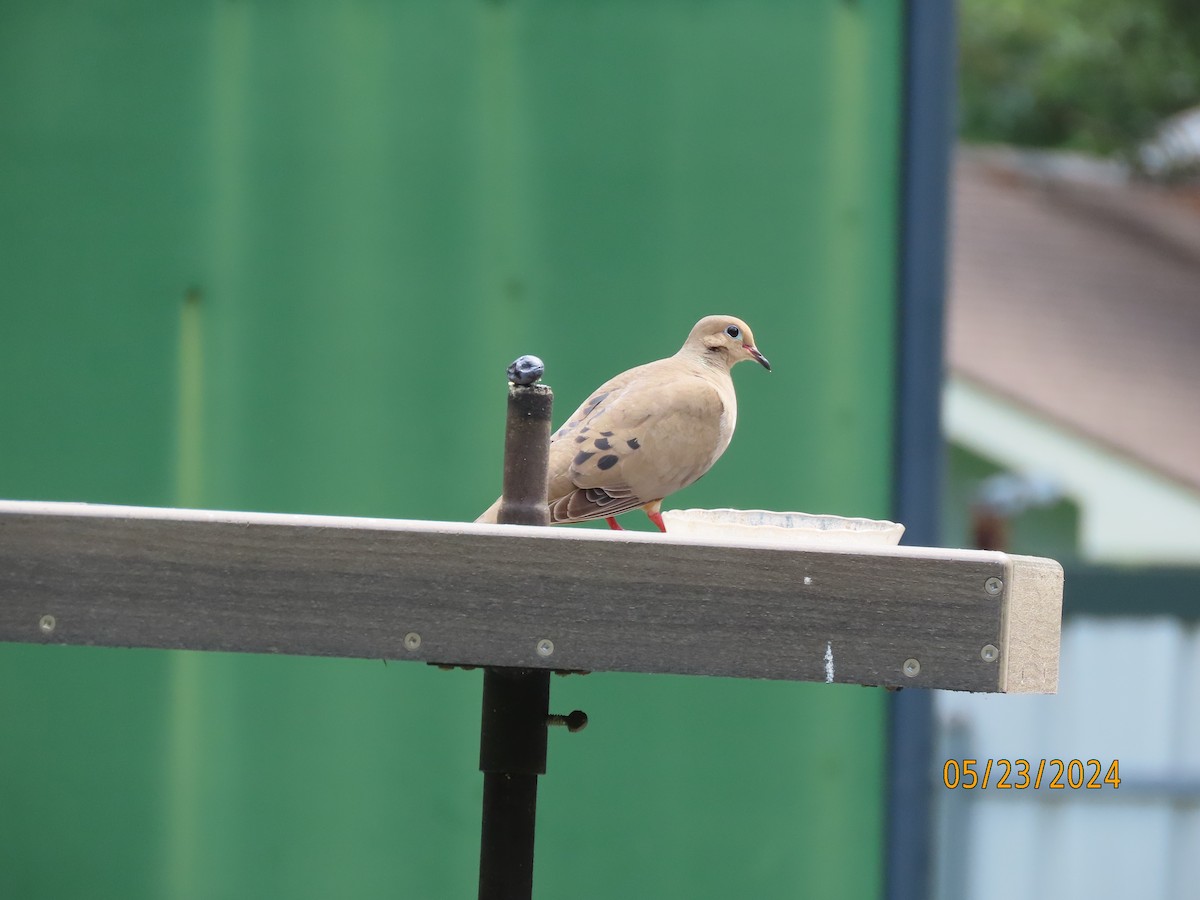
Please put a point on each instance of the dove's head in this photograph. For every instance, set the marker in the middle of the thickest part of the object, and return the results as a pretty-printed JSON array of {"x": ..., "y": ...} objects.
[{"x": 725, "y": 340}]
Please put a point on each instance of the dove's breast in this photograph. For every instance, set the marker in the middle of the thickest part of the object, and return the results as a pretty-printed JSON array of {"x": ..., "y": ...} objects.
[
  {"x": 690, "y": 436},
  {"x": 727, "y": 422}
]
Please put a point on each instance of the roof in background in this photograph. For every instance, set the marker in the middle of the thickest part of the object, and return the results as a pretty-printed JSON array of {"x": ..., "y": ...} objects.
[{"x": 1077, "y": 295}]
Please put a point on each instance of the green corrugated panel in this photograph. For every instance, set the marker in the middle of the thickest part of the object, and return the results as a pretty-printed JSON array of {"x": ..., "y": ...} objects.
[{"x": 276, "y": 256}]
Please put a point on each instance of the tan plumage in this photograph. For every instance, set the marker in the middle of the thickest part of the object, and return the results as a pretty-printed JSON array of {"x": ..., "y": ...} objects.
[{"x": 650, "y": 431}]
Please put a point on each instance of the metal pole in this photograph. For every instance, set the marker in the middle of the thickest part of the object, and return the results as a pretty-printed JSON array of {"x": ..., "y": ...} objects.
[
  {"x": 512, "y": 754},
  {"x": 526, "y": 445},
  {"x": 516, "y": 702}
]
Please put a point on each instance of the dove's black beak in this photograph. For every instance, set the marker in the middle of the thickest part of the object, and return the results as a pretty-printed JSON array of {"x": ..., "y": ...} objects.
[{"x": 759, "y": 358}]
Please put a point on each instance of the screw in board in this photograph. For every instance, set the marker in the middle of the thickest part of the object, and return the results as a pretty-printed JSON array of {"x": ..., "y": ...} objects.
[{"x": 576, "y": 720}]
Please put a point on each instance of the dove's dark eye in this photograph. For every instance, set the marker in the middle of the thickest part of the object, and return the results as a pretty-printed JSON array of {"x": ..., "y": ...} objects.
[{"x": 733, "y": 331}]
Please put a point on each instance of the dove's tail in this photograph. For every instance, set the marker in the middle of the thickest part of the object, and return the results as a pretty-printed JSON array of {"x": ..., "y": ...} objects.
[{"x": 490, "y": 514}]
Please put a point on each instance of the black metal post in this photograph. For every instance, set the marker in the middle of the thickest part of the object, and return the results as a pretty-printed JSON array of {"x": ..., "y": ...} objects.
[
  {"x": 516, "y": 702},
  {"x": 526, "y": 445},
  {"x": 512, "y": 754}
]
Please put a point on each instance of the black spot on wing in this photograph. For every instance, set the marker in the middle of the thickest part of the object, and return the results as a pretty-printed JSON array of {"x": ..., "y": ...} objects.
[
  {"x": 582, "y": 457},
  {"x": 580, "y": 439},
  {"x": 592, "y": 403},
  {"x": 606, "y": 462},
  {"x": 603, "y": 444},
  {"x": 633, "y": 443},
  {"x": 606, "y": 434}
]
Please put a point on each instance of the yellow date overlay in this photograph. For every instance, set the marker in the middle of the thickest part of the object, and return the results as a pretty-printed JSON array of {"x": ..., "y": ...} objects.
[{"x": 1021, "y": 774}]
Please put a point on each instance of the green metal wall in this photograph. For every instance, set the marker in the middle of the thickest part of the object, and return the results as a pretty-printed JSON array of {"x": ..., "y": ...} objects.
[{"x": 276, "y": 256}]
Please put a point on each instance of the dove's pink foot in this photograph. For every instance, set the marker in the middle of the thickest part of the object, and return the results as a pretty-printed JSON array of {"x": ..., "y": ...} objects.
[
  {"x": 656, "y": 518},
  {"x": 612, "y": 523}
]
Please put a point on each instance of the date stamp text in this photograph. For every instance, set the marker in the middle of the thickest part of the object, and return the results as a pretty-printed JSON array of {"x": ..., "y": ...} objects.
[{"x": 1022, "y": 774}]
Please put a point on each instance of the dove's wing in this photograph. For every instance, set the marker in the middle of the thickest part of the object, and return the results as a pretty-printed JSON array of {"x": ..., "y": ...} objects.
[{"x": 636, "y": 439}]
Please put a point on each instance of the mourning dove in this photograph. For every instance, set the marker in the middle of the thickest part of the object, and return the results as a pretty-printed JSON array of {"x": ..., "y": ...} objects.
[{"x": 650, "y": 431}]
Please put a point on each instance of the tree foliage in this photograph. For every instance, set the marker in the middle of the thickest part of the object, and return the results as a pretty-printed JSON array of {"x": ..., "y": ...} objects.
[{"x": 1093, "y": 75}]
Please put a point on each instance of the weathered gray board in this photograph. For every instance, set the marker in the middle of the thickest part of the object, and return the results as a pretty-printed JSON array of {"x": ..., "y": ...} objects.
[{"x": 491, "y": 594}]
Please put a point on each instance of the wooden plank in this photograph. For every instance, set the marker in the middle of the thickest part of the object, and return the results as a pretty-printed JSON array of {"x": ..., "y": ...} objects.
[{"x": 495, "y": 594}]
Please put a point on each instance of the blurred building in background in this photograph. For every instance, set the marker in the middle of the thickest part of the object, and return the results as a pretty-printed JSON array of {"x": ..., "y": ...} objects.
[
  {"x": 1073, "y": 341},
  {"x": 1072, "y": 409}
]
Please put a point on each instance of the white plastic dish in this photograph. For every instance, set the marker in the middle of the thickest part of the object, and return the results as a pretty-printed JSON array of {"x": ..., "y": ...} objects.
[{"x": 780, "y": 527}]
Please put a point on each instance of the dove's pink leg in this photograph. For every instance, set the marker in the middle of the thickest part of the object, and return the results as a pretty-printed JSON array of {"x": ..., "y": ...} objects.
[
  {"x": 652, "y": 510},
  {"x": 612, "y": 523}
]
